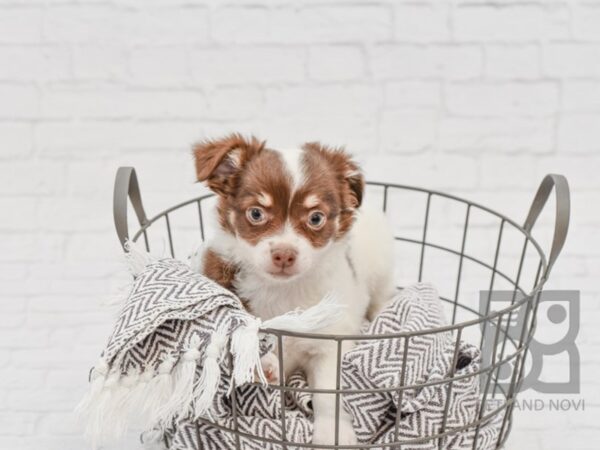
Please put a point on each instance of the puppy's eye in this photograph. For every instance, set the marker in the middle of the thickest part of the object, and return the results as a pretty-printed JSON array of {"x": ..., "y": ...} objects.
[
  {"x": 256, "y": 215},
  {"x": 316, "y": 220}
]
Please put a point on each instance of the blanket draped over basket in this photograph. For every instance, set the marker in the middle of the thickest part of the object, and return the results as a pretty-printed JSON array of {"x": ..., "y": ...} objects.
[{"x": 181, "y": 342}]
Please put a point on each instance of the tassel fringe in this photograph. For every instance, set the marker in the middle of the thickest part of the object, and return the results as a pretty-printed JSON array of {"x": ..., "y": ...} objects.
[
  {"x": 137, "y": 258},
  {"x": 245, "y": 347},
  {"x": 206, "y": 387},
  {"x": 153, "y": 397},
  {"x": 181, "y": 397},
  {"x": 154, "y": 391},
  {"x": 323, "y": 314}
]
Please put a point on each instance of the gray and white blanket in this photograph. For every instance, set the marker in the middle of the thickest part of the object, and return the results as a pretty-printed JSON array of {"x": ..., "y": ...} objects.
[{"x": 181, "y": 342}]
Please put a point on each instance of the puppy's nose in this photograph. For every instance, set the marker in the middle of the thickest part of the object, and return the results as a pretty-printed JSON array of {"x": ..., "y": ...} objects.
[{"x": 283, "y": 256}]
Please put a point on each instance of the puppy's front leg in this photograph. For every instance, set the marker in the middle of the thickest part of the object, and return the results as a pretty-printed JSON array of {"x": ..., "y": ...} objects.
[
  {"x": 322, "y": 374},
  {"x": 270, "y": 367}
]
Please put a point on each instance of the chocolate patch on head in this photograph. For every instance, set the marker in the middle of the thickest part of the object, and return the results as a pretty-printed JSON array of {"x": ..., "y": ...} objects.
[
  {"x": 264, "y": 182},
  {"x": 219, "y": 162},
  {"x": 245, "y": 174},
  {"x": 348, "y": 183},
  {"x": 347, "y": 172},
  {"x": 319, "y": 192}
]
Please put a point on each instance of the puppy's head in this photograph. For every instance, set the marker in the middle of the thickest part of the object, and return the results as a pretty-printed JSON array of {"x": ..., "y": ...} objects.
[{"x": 285, "y": 208}]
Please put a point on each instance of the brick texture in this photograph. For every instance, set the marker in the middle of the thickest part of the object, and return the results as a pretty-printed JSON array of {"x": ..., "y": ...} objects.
[{"x": 477, "y": 98}]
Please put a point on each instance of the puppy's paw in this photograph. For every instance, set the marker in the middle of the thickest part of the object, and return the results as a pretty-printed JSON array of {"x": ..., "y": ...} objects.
[
  {"x": 270, "y": 367},
  {"x": 324, "y": 431}
]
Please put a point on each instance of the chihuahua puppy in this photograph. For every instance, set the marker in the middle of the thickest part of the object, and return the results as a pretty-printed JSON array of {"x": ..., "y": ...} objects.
[{"x": 291, "y": 230}]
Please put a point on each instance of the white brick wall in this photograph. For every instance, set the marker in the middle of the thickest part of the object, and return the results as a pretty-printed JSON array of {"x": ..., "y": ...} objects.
[{"x": 479, "y": 98}]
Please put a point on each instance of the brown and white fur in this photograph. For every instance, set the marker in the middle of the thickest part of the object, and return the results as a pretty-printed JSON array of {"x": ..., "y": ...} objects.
[{"x": 291, "y": 231}]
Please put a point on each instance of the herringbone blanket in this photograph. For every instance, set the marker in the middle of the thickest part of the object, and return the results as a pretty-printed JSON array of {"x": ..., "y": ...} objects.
[
  {"x": 181, "y": 342},
  {"x": 371, "y": 364}
]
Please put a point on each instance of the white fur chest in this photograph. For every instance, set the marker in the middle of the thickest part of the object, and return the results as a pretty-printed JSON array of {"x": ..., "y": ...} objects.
[{"x": 335, "y": 275}]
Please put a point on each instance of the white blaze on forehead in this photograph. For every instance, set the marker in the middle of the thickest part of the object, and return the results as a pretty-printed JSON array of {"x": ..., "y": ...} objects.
[
  {"x": 292, "y": 159},
  {"x": 289, "y": 236}
]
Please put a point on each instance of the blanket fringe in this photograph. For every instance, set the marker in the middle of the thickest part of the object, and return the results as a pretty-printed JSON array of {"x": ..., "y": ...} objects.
[
  {"x": 115, "y": 402},
  {"x": 153, "y": 439},
  {"x": 121, "y": 404},
  {"x": 97, "y": 377},
  {"x": 137, "y": 258},
  {"x": 103, "y": 416},
  {"x": 154, "y": 390},
  {"x": 182, "y": 393},
  {"x": 207, "y": 385},
  {"x": 245, "y": 348},
  {"x": 155, "y": 396},
  {"x": 328, "y": 311}
]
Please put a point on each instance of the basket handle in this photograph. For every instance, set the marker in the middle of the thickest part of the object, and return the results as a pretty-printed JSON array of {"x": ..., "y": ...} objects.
[
  {"x": 126, "y": 187},
  {"x": 563, "y": 209}
]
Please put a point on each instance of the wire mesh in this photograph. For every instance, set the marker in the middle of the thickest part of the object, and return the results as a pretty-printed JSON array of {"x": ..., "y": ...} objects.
[{"x": 506, "y": 363}]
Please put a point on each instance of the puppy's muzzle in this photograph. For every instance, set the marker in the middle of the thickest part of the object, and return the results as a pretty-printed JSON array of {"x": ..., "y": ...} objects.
[{"x": 283, "y": 256}]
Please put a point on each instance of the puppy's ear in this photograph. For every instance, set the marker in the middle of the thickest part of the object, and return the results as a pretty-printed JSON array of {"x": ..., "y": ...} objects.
[
  {"x": 219, "y": 161},
  {"x": 356, "y": 182},
  {"x": 347, "y": 171}
]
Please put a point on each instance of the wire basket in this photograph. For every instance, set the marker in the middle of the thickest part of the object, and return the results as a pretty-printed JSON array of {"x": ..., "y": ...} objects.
[{"x": 490, "y": 252}]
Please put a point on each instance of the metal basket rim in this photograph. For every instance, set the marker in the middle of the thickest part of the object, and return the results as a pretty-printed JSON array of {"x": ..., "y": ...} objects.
[{"x": 430, "y": 192}]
